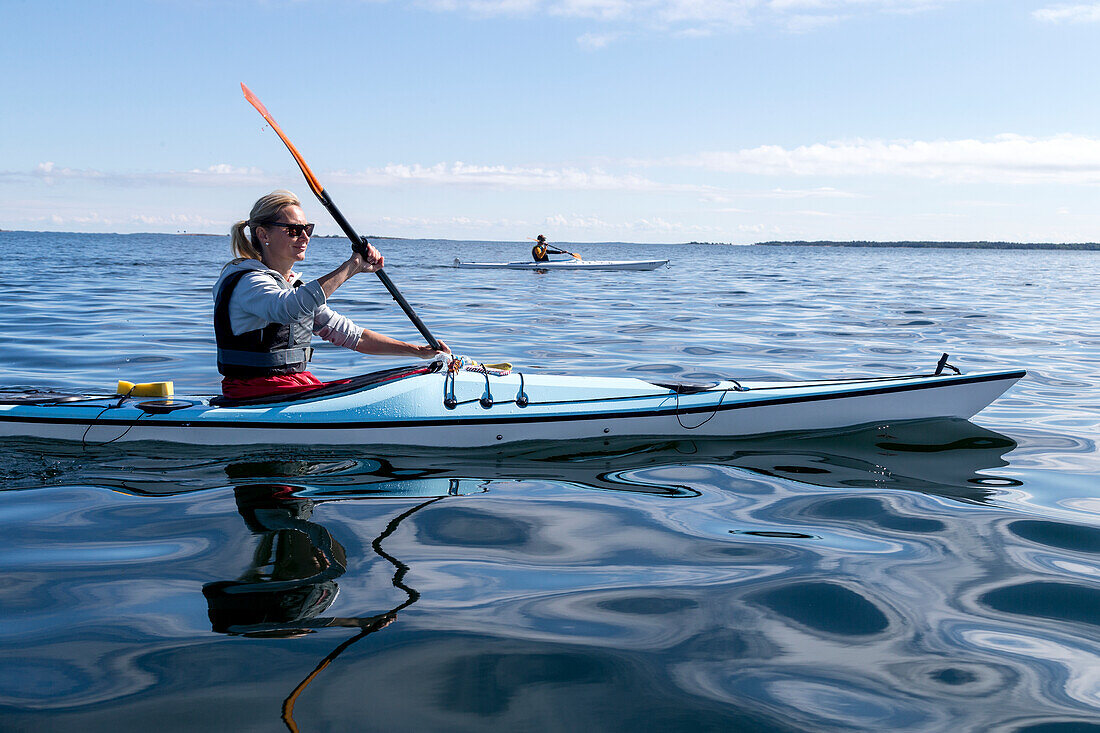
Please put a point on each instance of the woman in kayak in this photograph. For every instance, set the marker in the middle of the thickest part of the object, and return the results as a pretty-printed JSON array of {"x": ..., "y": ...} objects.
[
  {"x": 541, "y": 252},
  {"x": 265, "y": 314}
]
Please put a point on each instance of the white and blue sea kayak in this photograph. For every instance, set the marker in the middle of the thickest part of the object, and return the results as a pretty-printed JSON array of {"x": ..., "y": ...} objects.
[
  {"x": 428, "y": 406},
  {"x": 570, "y": 264}
]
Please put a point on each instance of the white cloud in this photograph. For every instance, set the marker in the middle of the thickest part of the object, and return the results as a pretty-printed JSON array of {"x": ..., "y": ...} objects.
[
  {"x": 465, "y": 224},
  {"x": 457, "y": 174},
  {"x": 597, "y": 40},
  {"x": 510, "y": 177},
  {"x": 1069, "y": 13},
  {"x": 687, "y": 17},
  {"x": 216, "y": 175},
  {"x": 581, "y": 223},
  {"x": 599, "y": 9},
  {"x": 895, "y": 6},
  {"x": 813, "y": 213},
  {"x": 89, "y": 220},
  {"x": 1004, "y": 159},
  {"x": 185, "y": 222},
  {"x": 565, "y": 225},
  {"x": 822, "y": 192},
  {"x": 1064, "y": 159},
  {"x": 805, "y": 23}
]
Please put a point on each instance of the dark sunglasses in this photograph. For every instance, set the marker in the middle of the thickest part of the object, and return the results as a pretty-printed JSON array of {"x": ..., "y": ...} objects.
[{"x": 294, "y": 230}]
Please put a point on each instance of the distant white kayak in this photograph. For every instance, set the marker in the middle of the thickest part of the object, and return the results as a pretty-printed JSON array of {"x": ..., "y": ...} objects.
[{"x": 569, "y": 264}]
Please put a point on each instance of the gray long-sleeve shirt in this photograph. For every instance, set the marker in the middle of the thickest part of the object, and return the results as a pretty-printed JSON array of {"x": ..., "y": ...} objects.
[{"x": 258, "y": 300}]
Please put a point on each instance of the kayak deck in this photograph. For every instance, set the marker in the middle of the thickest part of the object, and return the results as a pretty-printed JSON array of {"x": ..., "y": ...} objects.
[
  {"x": 429, "y": 407},
  {"x": 569, "y": 264}
]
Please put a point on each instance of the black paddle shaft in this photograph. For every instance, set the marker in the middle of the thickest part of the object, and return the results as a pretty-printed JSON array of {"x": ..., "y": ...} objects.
[{"x": 358, "y": 244}]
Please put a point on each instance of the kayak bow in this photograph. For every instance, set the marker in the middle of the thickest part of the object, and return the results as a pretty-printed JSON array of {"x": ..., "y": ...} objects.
[{"x": 427, "y": 406}]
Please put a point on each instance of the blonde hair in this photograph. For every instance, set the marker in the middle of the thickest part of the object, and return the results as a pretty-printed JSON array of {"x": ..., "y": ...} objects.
[{"x": 264, "y": 211}]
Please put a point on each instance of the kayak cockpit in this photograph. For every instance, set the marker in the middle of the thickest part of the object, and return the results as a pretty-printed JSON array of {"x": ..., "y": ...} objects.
[{"x": 354, "y": 384}]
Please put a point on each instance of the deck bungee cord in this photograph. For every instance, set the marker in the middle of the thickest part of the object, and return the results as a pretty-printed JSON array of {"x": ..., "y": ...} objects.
[
  {"x": 457, "y": 364},
  {"x": 127, "y": 390},
  {"x": 716, "y": 408},
  {"x": 121, "y": 399},
  {"x": 152, "y": 407}
]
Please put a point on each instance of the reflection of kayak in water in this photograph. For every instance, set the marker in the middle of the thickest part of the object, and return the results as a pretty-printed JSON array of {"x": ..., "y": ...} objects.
[
  {"x": 570, "y": 264},
  {"x": 938, "y": 457},
  {"x": 433, "y": 408}
]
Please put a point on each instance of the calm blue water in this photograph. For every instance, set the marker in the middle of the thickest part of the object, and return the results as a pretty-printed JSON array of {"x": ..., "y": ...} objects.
[{"x": 929, "y": 577}]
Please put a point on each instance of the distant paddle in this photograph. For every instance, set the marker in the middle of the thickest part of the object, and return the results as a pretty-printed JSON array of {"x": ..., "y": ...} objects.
[{"x": 358, "y": 244}]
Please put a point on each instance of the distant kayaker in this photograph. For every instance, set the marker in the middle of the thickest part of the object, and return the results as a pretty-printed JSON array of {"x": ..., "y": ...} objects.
[
  {"x": 541, "y": 251},
  {"x": 265, "y": 314}
]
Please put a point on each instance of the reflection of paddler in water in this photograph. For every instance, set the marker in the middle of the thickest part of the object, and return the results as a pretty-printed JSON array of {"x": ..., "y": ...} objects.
[{"x": 291, "y": 578}]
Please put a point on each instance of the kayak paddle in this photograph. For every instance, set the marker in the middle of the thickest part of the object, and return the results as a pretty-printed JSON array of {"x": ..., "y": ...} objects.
[{"x": 358, "y": 244}]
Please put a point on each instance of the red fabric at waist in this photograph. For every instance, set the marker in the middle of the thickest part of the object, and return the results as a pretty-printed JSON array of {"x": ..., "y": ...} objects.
[{"x": 236, "y": 389}]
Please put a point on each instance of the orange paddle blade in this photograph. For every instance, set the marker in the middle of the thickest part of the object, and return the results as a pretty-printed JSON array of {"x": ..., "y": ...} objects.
[{"x": 310, "y": 178}]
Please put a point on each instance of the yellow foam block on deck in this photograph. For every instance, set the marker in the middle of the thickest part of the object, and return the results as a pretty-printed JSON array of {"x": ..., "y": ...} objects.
[{"x": 146, "y": 389}]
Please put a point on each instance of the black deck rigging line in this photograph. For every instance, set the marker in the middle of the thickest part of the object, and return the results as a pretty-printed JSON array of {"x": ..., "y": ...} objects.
[
  {"x": 121, "y": 399},
  {"x": 449, "y": 400},
  {"x": 716, "y": 408},
  {"x": 738, "y": 388},
  {"x": 521, "y": 396},
  {"x": 487, "y": 400}
]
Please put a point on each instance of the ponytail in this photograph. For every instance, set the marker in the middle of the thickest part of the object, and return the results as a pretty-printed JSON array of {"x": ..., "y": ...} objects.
[
  {"x": 247, "y": 246},
  {"x": 244, "y": 247}
]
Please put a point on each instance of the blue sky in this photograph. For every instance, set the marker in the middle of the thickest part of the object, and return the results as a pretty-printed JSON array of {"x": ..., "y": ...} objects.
[{"x": 585, "y": 120}]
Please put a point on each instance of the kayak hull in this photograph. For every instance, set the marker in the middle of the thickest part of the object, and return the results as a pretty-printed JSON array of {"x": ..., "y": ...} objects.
[
  {"x": 570, "y": 264},
  {"x": 410, "y": 411}
]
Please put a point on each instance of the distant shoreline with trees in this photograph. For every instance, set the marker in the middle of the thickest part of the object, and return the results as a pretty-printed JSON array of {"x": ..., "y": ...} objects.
[{"x": 1079, "y": 246}]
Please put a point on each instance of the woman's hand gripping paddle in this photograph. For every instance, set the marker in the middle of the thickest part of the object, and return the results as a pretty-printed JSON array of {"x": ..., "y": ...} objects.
[{"x": 357, "y": 243}]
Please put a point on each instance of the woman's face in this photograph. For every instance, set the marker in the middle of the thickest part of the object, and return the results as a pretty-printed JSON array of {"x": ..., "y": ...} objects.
[{"x": 281, "y": 246}]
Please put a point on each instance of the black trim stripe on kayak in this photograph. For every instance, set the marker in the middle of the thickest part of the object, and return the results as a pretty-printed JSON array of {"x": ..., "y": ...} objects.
[{"x": 517, "y": 419}]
